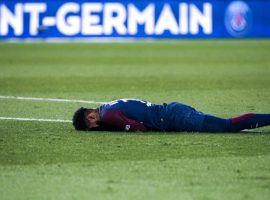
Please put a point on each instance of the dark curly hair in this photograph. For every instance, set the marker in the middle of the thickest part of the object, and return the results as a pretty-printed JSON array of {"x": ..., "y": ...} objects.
[{"x": 78, "y": 120}]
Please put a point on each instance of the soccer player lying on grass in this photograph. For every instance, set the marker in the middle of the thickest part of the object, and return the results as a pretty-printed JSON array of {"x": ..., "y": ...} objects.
[{"x": 137, "y": 115}]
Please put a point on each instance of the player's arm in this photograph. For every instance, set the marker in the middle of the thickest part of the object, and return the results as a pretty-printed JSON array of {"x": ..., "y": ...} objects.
[{"x": 117, "y": 119}]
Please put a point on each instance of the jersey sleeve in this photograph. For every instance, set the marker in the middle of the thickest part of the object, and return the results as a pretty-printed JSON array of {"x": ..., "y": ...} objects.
[{"x": 117, "y": 119}]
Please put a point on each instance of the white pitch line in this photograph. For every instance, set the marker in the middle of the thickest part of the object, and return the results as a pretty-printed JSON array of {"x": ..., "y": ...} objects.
[
  {"x": 33, "y": 119},
  {"x": 51, "y": 99}
]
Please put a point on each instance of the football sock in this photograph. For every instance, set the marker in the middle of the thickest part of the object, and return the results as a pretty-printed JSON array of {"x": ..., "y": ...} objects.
[
  {"x": 249, "y": 121},
  {"x": 214, "y": 124}
]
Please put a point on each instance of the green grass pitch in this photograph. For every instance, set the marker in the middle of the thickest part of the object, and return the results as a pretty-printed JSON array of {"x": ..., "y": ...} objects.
[{"x": 42, "y": 160}]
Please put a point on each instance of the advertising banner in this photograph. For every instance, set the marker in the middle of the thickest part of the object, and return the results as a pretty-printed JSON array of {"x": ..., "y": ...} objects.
[{"x": 45, "y": 19}]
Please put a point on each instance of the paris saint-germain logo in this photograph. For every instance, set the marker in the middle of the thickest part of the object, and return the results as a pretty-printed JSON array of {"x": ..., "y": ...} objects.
[{"x": 238, "y": 18}]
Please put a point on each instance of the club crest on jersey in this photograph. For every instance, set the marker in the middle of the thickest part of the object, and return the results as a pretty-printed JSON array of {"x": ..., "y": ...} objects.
[
  {"x": 238, "y": 18},
  {"x": 127, "y": 127}
]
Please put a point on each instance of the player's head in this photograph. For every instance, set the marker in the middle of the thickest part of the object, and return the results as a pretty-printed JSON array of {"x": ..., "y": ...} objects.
[{"x": 85, "y": 119}]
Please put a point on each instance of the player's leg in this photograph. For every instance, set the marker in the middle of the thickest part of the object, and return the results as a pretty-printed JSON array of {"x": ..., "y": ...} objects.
[
  {"x": 246, "y": 121},
  {"x": 215, "y": 124},
  {"x": 249, "y": 121},
  {"x": 189, "y": 119}
]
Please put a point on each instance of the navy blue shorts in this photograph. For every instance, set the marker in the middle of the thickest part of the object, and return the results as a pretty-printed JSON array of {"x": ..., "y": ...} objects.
[{"x": 181, "y": 117}]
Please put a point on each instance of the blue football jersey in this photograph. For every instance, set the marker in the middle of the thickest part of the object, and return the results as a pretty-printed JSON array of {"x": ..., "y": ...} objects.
[{"x": 151, "y": 115}]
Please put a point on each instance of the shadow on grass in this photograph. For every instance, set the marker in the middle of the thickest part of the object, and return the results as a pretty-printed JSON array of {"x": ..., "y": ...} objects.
[{"x": 176, "y": 133}]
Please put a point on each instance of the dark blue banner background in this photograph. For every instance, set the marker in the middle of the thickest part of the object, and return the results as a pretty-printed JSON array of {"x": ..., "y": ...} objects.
[{"x": 134, "y": 19}]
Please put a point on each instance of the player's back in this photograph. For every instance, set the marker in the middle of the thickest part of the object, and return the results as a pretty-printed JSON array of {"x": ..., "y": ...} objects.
[{"x": 142, "y": 111}]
